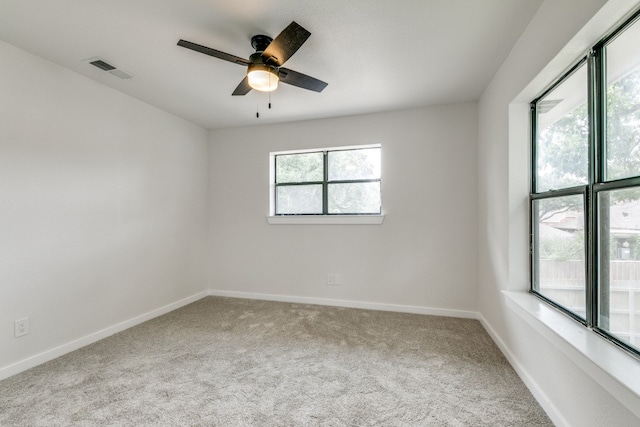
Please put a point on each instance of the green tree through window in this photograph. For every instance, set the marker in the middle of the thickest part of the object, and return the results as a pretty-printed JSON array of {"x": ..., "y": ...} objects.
[{"x": 328, "y": 182}]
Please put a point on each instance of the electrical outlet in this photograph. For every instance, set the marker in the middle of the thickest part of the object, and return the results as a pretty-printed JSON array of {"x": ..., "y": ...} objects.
[
  {"x": 334, "y": 279},
  {"x": 21, "y": 327}
]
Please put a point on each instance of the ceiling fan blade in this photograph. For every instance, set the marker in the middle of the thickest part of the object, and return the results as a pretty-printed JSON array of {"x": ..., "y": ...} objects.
[
  {"x": 243, "y": 88},
  {"x": 285, "y": 44},
  {"x": 213, "y": 52},
  {"x": 301, "y": 80}
]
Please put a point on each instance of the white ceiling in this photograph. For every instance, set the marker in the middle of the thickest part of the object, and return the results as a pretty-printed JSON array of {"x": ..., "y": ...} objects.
[{"x": 376, "y": 55}]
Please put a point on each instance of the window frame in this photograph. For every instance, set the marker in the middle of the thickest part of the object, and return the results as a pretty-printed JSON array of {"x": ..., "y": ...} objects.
[
  {"x": 533, "y": 224},
  {"x": 595, "y": 61},
  {"x": 274, "y": 185}
]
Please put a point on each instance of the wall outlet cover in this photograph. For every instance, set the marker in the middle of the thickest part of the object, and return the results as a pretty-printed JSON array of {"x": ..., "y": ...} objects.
[{"x": 21, "y": 327}]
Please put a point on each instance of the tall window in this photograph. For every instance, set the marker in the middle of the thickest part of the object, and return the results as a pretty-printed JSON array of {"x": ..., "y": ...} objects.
[
  {"x": 341, "y": 181},
  {"x": 585, "y": 192}
]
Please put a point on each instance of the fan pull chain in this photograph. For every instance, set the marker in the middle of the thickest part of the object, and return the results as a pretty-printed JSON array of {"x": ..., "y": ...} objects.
[
  {"x": 258, "y": 104},
  {"x": 269, "y": 91}
]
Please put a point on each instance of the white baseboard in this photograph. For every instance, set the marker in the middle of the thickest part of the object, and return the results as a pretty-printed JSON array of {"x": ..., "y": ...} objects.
[
  {"x": 45, "y": 356},
  {"x": 349, "y": 304},
  {"x": 546, "y": 403}
]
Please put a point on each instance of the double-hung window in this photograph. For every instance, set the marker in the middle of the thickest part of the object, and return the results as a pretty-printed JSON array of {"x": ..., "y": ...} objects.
[
  {"x": 585, "y": 189},
  {"x": 337, "y": 181}
]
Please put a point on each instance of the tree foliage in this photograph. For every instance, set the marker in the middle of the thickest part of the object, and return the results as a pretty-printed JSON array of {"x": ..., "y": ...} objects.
[
  {"x": 563, "y": 146},
  {"x": 563, "y": 151},
  {"x": 571, "y": 248},
  {"x": 623, "y": 127},
  {"x": 563, "y": 160}
]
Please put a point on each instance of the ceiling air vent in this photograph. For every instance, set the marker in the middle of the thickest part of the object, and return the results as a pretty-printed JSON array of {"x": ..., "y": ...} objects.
[
  {"x": 105, "y": 66},
  {"x": 102, "y": 65}
]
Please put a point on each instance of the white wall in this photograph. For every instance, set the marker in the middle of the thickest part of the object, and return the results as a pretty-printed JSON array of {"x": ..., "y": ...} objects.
[
  {"x": 424, "y": 254},
  {"x": 561, "y": 31},
  {"x": 105, "y": 201},
  {"x": 102, "y": 207}
]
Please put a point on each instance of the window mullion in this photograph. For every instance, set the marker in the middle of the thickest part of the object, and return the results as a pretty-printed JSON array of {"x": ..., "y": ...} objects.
[
  {"x": 598, "y": 238},
  {"x": 291, "y": 184},
  {"x": 534, "y": 150},
  {"x": 352, "y": 181},
  {"x": 600, "y": 112},
  {"x": 591, "y": 264},
  {"x": 557, "y": 193},
  {"x": 325, "y": 187}
]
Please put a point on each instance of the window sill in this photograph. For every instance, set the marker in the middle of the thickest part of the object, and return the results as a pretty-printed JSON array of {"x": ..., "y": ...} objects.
[
  {"x": 611, "y": 367},
  {"x": 326, "y": 219}
]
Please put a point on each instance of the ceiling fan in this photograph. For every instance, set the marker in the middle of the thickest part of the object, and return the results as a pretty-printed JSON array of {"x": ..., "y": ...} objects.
[{"x": 264, "y": 67}]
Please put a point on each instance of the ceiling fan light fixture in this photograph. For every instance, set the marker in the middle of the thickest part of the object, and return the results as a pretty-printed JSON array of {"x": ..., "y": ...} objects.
[{"x": 262, "y": 77}]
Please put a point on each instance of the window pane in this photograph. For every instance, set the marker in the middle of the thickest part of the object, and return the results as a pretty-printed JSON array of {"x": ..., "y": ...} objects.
[
  {"x": 354, "y": 164},
  {"x": 302, "y": 167},
  {"x": 563, "y": 135},
  {"x": 354, "y": 198},
  {"x": 619, "y": 235},
  {"x": 299, "y": 199},
  {"x": 559, "y": 251},
  {"x": 623, "y": 105}
]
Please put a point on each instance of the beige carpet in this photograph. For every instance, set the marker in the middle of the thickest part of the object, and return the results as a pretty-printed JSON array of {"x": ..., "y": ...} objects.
[{"x": 231, "y": 362}]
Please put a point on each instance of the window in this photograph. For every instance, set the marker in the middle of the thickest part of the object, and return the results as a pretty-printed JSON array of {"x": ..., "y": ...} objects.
[
  {"x": 585, "y": 189},
  {"x": 337, "y": 181}
]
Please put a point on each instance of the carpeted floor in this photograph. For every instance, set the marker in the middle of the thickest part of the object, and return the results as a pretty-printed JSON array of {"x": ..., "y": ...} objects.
[{"x": 233, "y": 362}]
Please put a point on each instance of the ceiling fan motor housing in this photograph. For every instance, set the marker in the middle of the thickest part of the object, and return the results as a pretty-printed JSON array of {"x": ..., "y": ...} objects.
[
  {"x": 257, "y": 63},
  {"x": 260, "y": 42}
]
